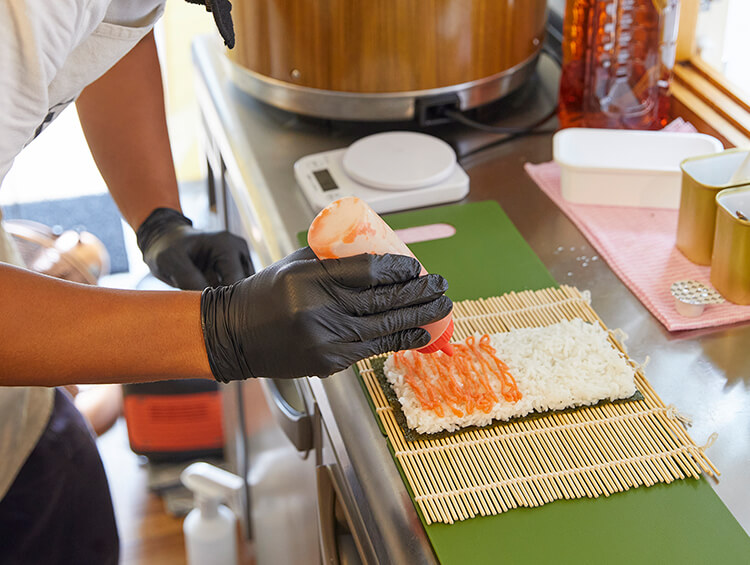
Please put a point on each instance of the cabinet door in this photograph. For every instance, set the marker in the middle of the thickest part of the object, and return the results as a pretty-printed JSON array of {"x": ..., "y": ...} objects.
[
  {"x": 273, "y": 427},
  {"x": 342, "y": 540}
]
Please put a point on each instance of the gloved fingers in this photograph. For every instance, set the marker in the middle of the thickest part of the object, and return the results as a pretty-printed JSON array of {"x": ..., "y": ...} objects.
[
  {"x": 301, "y": 260},
  {"x": 230, "y": 268},
  {"x": 248, "y": 268},
  {"x": 212, "y": 276},
  {"x": 179, "y": 271},
  {"x": 188, "y": 277},
  {"x": 237, "y": 243},
  {"x": 220, "y": 256},
  {"x": 367, "y": 328},
  {"x": 301, "y": 254},
  {"x": 408, "y": 339},
  {"x": 342, "y": 355},
  {"x": 367, "y": 270},
  {"x": 221, "y": 11},
  {"x": 390, "y": 297}
]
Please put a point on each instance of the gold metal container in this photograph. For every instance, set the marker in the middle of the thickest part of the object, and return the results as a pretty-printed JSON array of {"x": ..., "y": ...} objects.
[
  {"x": 730, "y": 263},
  {"x": 702, "y": 178}
]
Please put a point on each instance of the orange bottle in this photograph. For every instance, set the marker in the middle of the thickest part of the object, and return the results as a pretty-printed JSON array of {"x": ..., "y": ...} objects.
[
  {"x": 349, "y": 227},
  {"x": 617, "y": 60}
]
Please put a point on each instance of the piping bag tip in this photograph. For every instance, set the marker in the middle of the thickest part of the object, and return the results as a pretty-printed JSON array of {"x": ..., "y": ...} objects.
[{"x": 447, "y": 349}]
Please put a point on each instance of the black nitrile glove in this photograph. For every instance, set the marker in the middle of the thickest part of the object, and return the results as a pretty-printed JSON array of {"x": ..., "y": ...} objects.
[
  {"x": 302, "y": 316},
  {"x": 188, "y": 258},
  {"x": 221, "y": 10}
]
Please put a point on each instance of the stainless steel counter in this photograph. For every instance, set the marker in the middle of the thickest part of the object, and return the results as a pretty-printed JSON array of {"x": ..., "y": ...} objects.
[{"x": 705, "y": 374}]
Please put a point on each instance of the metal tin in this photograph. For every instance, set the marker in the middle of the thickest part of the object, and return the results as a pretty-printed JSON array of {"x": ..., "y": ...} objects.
[
  {"x": 692, "y": 297},
  {"x": 730, "y": 263},
  {"x": 702, "y": 178}
]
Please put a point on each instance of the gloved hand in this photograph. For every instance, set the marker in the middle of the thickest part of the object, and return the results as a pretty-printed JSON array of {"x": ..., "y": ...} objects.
[
  {"x": 221, "y": 10},
  {"x": 302, "y": 316},
  {"x": 188, "y": 258}
]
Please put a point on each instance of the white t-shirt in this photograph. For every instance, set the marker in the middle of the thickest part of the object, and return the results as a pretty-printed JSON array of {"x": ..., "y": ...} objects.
[{"x": 49, "y": 51}]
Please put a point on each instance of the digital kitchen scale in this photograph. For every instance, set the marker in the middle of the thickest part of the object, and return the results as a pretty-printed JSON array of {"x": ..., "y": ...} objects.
[{"x": 390, "y": 171}]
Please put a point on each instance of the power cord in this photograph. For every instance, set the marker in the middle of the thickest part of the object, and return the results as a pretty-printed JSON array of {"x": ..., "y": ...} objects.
[
  {"x": 501, "y": 141},
  {"x": 460, "y": 118},
  {"x": 509, "y": 133}
]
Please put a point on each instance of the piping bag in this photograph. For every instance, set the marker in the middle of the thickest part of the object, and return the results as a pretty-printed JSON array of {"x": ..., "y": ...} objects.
[{"x": 349, "y": 226}]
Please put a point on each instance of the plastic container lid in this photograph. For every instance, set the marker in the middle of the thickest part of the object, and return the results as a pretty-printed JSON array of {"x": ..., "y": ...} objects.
[{"x": 621, "y": 151}]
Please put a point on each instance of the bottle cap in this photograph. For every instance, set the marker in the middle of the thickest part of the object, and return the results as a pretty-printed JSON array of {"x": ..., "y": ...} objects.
[{"x": 442, "y": 343}]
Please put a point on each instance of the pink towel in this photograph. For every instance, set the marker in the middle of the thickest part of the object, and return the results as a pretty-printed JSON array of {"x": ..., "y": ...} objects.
[{"x": 639, "y": 245}]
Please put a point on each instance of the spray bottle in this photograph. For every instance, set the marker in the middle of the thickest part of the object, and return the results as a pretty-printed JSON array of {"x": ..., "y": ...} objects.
[
  {"x": 349, "y": 226},
  {"x": 210, "y": 528}
]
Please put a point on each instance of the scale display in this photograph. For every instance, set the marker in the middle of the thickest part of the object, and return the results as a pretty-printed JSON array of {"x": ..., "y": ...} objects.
[
  {"x": 325, "y": 180},
  {"x": 391, "y": 171}
]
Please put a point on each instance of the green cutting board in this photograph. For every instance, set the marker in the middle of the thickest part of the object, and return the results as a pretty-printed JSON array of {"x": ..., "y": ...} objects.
[{"x": 683, "y": 522}]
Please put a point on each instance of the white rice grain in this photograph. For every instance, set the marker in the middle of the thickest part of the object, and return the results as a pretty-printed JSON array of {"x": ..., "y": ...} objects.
[{"x": 567, "y": 364}]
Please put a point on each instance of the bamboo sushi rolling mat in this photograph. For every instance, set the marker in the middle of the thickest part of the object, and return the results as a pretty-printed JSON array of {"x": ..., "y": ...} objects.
[{"x": 587, "y": 452}]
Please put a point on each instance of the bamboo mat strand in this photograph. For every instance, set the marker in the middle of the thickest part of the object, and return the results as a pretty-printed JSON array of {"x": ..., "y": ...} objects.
[{"x": 588, "y": 452}]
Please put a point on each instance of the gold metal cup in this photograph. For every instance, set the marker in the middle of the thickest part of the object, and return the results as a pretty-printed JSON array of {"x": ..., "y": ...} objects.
[
  {"x": 702, "y": 178},
  {"x": 730, "y": 264}
]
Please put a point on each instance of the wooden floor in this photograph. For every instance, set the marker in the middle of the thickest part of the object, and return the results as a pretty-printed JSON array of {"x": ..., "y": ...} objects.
[{"x": 148, "y": 535}]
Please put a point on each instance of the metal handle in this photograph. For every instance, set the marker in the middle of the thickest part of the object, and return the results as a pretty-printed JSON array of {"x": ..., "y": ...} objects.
[
  {"x": 336, "y": 547},
  {"x": 296, "y": 424},
  {"x": 327, "y": 516}
]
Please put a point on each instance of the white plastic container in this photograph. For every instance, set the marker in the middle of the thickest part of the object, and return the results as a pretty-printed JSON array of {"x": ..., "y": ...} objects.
[{"x": 626, "y": 167}]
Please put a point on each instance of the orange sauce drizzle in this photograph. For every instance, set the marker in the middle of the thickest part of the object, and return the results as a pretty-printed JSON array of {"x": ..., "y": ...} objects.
[{"x": 462, "y": 383}]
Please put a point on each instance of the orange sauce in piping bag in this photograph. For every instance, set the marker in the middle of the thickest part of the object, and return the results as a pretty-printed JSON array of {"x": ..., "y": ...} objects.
[{"x": 349, "y": 226}]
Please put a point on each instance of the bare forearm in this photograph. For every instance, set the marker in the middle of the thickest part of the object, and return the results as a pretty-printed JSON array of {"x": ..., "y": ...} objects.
[
  {"x": 123, "y": 117},
  {"x": 55, "y": 332}
]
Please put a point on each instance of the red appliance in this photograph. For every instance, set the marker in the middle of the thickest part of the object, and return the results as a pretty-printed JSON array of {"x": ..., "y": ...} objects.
[{"x": 174, "y": 420}]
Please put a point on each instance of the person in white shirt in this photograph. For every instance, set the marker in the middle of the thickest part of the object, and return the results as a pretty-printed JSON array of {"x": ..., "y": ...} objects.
[{"x": 297, "y": 317}]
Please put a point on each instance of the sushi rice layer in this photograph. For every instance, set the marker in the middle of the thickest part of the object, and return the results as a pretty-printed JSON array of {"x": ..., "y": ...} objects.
[{"x": 567, "y": 364}]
